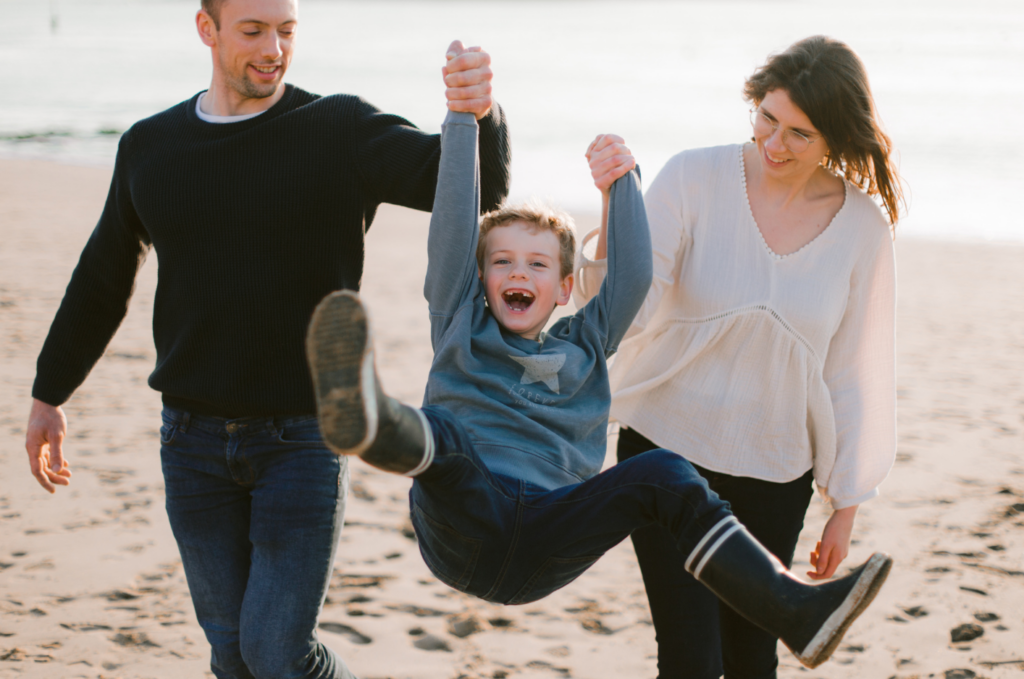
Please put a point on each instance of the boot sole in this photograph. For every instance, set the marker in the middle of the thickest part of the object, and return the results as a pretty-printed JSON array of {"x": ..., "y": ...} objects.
[
  {"x": 824, "y": 643},
  {"x": 339, "y": 349}
]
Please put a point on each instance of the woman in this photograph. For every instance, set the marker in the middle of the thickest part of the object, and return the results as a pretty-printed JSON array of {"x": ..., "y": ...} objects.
[{"x": 764, "y": 353}]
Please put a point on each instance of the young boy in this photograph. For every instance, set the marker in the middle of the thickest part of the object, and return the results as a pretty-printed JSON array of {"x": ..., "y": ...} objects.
[{"x": 507, "y": 500}]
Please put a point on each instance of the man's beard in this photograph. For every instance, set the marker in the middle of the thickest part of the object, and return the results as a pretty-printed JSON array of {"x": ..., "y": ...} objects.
[{"x": 247, "y": 88}]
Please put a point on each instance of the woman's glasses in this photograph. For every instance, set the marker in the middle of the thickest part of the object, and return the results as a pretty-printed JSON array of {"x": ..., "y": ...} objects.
[{"x": 797, "y": 142}]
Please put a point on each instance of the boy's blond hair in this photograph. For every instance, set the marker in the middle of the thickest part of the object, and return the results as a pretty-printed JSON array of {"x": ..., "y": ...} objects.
[{"x": 542, "y": 218}]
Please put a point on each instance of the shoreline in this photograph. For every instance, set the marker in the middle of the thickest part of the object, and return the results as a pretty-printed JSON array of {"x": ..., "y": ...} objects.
[
  {"x": 585, "y": 216},
  {"x": 92, "y": 582}
]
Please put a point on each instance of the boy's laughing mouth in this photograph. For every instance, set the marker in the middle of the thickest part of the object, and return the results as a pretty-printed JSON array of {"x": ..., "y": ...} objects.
[{"x": 517, "y": 300}]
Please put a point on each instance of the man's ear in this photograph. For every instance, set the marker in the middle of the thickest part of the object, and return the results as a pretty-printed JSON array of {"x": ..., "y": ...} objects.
[
  {"x": 565, "y": 290},
  {"x": 206, "y": 28}
]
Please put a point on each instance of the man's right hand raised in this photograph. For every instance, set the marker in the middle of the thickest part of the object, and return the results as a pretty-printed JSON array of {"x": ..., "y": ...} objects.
[
  {"x": 44, "y": 442},
  {"x": 467, "y": 75}
]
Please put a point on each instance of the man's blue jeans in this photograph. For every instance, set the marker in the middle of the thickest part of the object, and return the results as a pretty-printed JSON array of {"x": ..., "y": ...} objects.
[
  {"x": 510, "y": 542},
  {"x": 256, "y": 506}
]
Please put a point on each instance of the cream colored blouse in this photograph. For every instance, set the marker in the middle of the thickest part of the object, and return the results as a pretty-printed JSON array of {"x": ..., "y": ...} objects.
[{"x": 754, "y": 364}]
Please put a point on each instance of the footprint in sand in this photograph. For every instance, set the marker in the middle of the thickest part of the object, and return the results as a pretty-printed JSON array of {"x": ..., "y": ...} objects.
[
  {"x": 915, "y": 611},
  {"x": 134, "y": 639},
  {"x": 84, "y": 626},
  {"x": 361, "y": 492},
  {"x": 542, "y": 665},
  {"x": 354, "y": 635},
  {"x": 429, "y": 642},
  {"x": 418, "y": 611},
  {"x": 966, "y": 632},
  {"x": 463, "y": 626},
  {"x": 595, "y": 626},
  {"x": 959, "y": 674},
  {"x": 359, "y": 580}
]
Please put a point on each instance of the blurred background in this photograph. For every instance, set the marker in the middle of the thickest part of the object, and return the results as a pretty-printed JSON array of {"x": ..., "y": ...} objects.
[{"x": 947, "y": 78}]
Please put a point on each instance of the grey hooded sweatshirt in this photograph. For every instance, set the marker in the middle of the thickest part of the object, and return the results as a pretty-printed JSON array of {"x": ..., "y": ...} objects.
[{"x": 534, "y": 410}]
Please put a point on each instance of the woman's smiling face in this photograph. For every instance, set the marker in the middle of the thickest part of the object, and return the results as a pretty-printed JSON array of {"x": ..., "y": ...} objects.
[{"x": 778, "y": 160}]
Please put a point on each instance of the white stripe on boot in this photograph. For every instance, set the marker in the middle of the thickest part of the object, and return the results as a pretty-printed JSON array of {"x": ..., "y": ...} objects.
[{"x": 428, "y": 447}]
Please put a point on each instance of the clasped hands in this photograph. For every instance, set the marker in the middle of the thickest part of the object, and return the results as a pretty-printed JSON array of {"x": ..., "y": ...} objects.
[{"x": 467, "y": 75}]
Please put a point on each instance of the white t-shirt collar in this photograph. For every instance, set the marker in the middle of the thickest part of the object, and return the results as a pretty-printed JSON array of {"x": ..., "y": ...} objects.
[{"x": 221, "y": 119}]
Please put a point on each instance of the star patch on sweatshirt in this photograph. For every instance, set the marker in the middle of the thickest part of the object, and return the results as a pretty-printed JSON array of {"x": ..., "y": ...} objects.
[{"x": 543, "y": 368}]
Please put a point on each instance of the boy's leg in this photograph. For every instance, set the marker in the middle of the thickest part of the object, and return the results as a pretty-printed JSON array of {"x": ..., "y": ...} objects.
[
  {"x": 467, "y": 519},
  {"x": 810, "y": 619},
  {"x": 570, "y": 528},
  {"x": 684, "y": 612},
  {"x": 356, "y": 416},
  {"x": 463, "y": 515}
]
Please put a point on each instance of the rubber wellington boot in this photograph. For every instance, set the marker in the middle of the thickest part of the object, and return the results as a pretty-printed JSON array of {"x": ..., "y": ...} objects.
[
  {"x": 810, "y": 619},
  {"x": 356, "y": 416}
]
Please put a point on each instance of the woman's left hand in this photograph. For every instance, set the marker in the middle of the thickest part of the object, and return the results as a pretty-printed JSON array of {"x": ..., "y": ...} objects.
[{"x": 834, "y": 544}]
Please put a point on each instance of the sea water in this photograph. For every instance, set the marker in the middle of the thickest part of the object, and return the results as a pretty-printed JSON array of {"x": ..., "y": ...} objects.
[{"x": 947, "y": 78}]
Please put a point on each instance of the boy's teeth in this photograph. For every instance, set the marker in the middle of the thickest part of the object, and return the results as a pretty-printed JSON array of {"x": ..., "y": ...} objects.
[{"x": 518, "y": 301}]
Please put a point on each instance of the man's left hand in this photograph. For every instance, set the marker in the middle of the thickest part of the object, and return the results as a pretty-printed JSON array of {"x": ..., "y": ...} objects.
[{"x": 468, "y": 77}]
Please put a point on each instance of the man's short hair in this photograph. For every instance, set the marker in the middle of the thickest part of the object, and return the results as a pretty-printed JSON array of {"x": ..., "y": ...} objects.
[
  {"x": 542, "y": 218},
  {"x": 212, "y": 7}
]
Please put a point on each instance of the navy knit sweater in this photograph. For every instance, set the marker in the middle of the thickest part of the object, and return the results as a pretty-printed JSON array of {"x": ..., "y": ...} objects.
[{"x": 253, "y": 224}]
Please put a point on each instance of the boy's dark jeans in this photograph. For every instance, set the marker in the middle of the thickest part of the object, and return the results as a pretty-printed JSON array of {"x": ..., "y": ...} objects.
[
  {"x": 510, "y": 542},
  {"x": 698, "y": 638},
  {"x": 256, "y": 505}
]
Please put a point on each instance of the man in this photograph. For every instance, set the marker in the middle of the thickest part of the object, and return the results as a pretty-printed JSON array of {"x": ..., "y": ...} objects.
[{"x": 256, "y": 196}]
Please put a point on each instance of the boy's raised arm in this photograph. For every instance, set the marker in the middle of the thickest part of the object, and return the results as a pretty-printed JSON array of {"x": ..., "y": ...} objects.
[
  {"x": 454, "y": 226},
  {"x": 626, "y": 237}
]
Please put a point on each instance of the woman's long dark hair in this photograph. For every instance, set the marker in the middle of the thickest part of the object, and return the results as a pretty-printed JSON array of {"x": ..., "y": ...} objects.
[{"x": 827, "y": 81}]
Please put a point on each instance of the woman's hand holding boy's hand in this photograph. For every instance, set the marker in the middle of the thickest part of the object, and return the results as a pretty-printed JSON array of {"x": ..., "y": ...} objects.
[
  {"x": 609, "y": 159},
  {"x": 467, "y": 75}
]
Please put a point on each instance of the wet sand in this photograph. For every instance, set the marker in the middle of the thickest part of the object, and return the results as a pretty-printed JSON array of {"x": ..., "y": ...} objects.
[{"x": 91, "y": 584}]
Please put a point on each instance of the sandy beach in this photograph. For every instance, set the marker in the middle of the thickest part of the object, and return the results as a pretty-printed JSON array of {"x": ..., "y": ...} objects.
[{"x": 91, "y": 584}]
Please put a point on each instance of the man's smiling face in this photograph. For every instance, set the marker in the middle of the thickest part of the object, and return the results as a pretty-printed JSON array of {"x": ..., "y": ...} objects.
[
  {"x": 522, "y": 278},
  {"x": 254, "y": 44}
]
